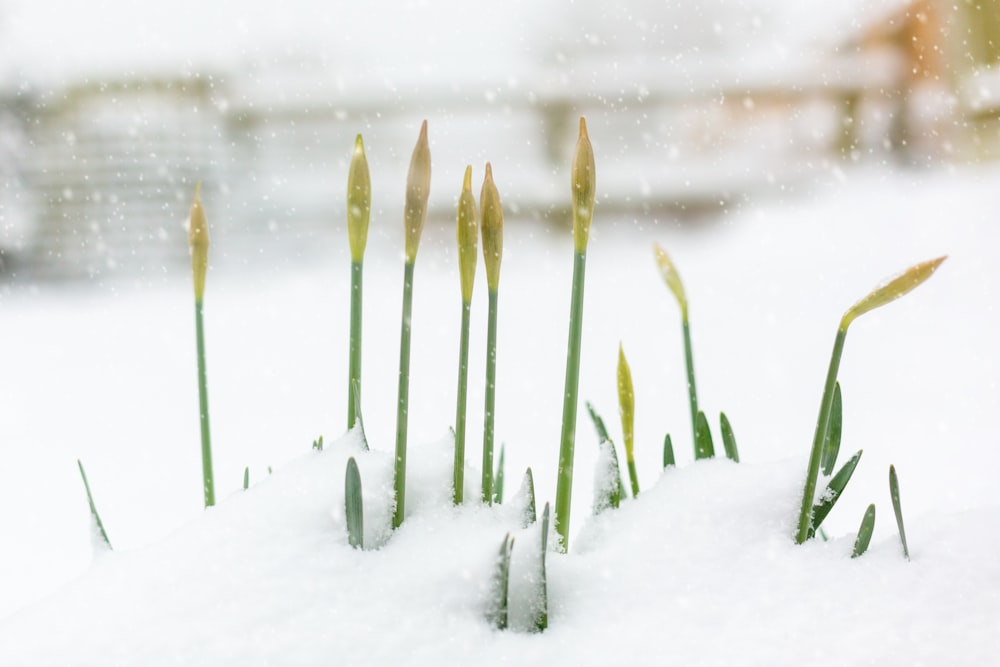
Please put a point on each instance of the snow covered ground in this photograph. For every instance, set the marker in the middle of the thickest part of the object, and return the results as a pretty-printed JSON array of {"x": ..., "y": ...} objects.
[{"x": 700, "y": 569}]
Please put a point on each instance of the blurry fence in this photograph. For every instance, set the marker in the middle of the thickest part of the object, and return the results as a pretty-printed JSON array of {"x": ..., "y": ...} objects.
[{"x": 105, "y": 178}]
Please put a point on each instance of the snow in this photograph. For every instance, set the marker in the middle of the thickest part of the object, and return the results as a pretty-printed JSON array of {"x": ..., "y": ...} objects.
[{"x": 700, "y": 568}]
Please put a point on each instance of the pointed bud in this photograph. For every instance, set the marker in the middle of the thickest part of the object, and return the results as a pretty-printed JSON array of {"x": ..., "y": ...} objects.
[
  {"x": 359, "y": 201},
  {"x": 468, "y": 236},
  {"x": 673, "y": 279},
  {"x": 891, "y": 290},
  {"x": 583, "y": 181},
  {"x": 626, "y": 402},
  {"x": 492, "y": 216},
  {"x": 418, "y": 187},
  {"x": 198, "y": 241}
]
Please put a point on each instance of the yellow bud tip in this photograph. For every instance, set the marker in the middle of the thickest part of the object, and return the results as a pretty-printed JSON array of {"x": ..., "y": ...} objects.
[
  {"x": 672, "y": 278},
  {"x": 892, "y": 289},
  {"x": 468, "y": 236},
  {"x": 418, "y": 185},
  {"x": 583, "y": 183},
  {"x": 626, "y": 402},
  {"x": 198, "y": 242},
  {"x": 491, "y": 213},
  {"x": 359, "y": 200}
]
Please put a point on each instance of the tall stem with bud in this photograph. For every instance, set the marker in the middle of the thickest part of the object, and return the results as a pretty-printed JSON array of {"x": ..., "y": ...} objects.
[
  {"x": 583, "y": 183},
  {"x": 359, "y": 200},
  {"x": 198, "y": 241},
  {"x": 418, "y": 184},
  {"x": 890, "y": 291},
  {"x": 468, "y": 240},
  {"x": 492, "y": 216}
]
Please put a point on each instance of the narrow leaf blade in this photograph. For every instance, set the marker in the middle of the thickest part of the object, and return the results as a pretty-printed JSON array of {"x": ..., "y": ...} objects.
[
  {"x": 668, "y": 451},
  {"x": 703, "y": 446},
  {"x": 897, "y": 508},
  {"x": 831, "y": 447},
  {"x": 542, "y": 621},
  {"x": 602, "y": 431},
  {"x": 95, "y": 516},
  {"x": 865, "y": 532},
  {"x": 833, "y": 491},
  {"x": 246, "y": 478},
  {"x": 354, "y": 506},
  {"x": 359, "y": 421},
  {"x": 498, "y": 478},
  {"x": 530, "y": 514},
  {"x": 728, "y": 438}
]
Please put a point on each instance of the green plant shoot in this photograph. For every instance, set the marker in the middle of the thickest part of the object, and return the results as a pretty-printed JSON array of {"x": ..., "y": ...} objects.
[
  {"x": 501, "y": 584},
  {"x": 897, "y": 509},
  {"x": 834, "y": 490},
  {"x": 359, "y": 205},
  {"x": 668, "y": 451},
  {"x": 94, "y": 515},
  {"x": 246, "y": 478},
  {"x": 673, "y": 280},
  {"x": 704, "y": 448},
  {"x": 418, "y": 185},
  {"x": 498, "y": 478},
  {"x": 881, "y": 295},
  {"x": 354, "y": 506},
  {"x": 864, "y": 532},
  {"x": 198, "y": 242},
  {"x": 626, "y": 409},
  {"x": 583, "y": 183},
  {"x": 528, "y": 490},
  {"x": 728, "y": 438},
  {"x": 468, "y": 241},
  {"x": 542, "y": 620},
  {"x": 491, "y": 215},
  {"x": 831, "y": 446}
]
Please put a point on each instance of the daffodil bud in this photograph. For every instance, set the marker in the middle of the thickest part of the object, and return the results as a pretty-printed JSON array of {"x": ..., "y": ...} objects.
[
  {"x": 492, "y": 216},
  {"x": 359, "y": 201},
  {"x": 891, "y": 290},
  {"x": 626, "y": 403},
  {"x": 673, "y": 279},
  {"x": 418, "y": 187},
  {"x": 583, "y": 181},
  {"x": 468, "y": 236},
  {"x": 198, "y": 241}
]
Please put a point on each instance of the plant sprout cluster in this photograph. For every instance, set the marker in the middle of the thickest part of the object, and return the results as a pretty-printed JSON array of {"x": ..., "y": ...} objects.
[{"x": 483, "y": 225}]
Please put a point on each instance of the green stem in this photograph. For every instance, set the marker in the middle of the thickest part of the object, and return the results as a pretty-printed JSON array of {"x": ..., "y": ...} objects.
[
  {"x": 399, "y": 477},
  {"x": 491, "y": 378},
  {"x": 206, "y": 438},
  {"x": 633, "y": 478},
  {"x": 354, "y": 372},
  {"x": 689, "y": 363},
  {"x": 458, "y": 478},
  {"x": 564, "y": 486},
  {"x": 822, "y": 425}
]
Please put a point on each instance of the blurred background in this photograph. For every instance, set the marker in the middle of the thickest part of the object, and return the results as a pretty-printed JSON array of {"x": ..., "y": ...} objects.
[
  {"x": 111, "y": 110},
  {"x": 789, "y": 154}
]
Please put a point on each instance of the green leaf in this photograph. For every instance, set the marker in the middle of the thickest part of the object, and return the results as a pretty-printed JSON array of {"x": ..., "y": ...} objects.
[
  {"x": 703, "y": 447},
  {"x": 353, "y": 505},
  {"x": 542, "y": 621},
  {"x": 501, "y": 584},
  {"x": 528, "y": 486},
  {"x": 246, "y": 478},
  {"x": 833, "y": 491},
  {"x": 609, "y": 489},
  {"x": 894, "y": 493},
  {"x": 498, "y": 478},
  {"x": 602, "y": 431},
  {"x": 626, "y": 410},
  {"x": 865, "y": 532},
  {"x": 318, "y": 444},
  {"x": 831, "y": 446},
  {"x": 728, "y": 438},
  {"x": 93, "y": 508},
  {"x": 668, "y": 451}
]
